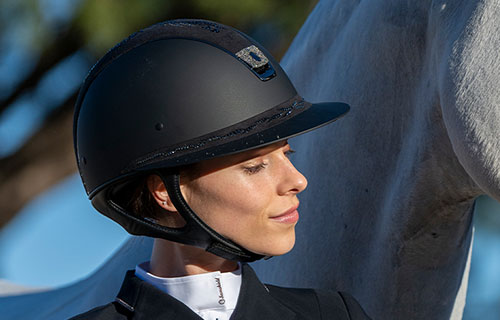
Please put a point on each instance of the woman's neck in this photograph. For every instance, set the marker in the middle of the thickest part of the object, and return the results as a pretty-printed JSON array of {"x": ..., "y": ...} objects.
[{"x": 171, "y": 259}]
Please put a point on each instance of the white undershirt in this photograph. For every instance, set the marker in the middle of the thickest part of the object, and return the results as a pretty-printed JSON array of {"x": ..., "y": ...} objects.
[{"x": 212, "y": 295}]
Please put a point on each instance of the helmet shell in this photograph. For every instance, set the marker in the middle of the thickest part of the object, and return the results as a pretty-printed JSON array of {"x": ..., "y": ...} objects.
[{"x": 162, "y": 93}]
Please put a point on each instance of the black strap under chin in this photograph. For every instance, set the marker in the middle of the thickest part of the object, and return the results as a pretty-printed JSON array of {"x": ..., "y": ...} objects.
[{"x": 196, "y": 232}]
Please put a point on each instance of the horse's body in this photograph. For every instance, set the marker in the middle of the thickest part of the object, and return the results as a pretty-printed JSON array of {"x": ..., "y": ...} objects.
[{"x": 387, "y": 214}]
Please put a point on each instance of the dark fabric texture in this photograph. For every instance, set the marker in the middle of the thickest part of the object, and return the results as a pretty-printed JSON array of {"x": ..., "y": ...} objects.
[
  {"x": 353, "y": 308},
  {"x": 138, "y": 299}
]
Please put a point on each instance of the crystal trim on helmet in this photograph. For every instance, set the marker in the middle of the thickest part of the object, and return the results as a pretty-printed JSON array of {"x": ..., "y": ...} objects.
[
  {"x": 207, "y": 25},
  {"x": 253, "y": 57},
  {"x": 279, "y": 112}
]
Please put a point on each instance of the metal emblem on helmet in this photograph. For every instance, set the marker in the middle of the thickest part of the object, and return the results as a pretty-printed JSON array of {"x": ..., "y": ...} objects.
[
  {"x": 257, "y": 61},
  {"x": 253, "y": 57}
]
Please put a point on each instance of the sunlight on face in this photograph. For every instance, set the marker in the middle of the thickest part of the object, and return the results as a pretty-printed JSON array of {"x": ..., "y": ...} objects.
[{"x": 249, "y": 197}]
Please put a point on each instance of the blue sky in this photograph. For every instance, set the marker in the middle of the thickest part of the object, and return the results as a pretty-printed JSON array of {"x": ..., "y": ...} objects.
[{"x": 57, "y": 238}]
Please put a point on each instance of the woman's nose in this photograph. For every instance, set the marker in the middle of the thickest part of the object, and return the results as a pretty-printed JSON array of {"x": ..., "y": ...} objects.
[{"x": 292, "y": 181}]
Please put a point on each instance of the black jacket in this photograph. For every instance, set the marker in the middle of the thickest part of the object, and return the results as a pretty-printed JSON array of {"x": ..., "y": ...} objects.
[{"x": 138, "y": 299}]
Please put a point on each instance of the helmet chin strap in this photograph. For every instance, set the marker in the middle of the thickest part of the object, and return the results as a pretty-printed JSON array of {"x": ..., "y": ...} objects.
[{"x": 198, "y": 233}]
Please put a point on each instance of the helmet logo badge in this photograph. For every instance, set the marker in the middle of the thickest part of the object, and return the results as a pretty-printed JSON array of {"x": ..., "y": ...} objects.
[
  {"x": 253, "y": 57},
  {"x": 257, "y": 61}
]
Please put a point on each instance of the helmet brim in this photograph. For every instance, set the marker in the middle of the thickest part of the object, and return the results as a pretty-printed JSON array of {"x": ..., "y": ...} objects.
[{"x": 315, "y": 116}]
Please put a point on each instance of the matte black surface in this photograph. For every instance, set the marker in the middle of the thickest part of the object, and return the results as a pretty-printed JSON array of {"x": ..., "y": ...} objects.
[{"x": 187, "y": 88}]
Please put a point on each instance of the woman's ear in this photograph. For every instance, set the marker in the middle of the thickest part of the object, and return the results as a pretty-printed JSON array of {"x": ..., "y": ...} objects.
[{"x": 159, "y": 193}]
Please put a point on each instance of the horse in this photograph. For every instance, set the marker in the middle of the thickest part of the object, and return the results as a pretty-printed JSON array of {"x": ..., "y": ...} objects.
[{"x": 388, "y": 212}]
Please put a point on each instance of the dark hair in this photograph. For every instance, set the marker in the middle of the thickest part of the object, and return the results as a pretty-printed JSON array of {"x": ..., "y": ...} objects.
[{"x": 142, "y": 203}]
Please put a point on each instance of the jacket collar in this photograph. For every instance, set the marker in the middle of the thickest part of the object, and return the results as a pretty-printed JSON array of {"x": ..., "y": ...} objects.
[
  {"x": 254, "y": 301},
  {"x": 140, "y": 297}
]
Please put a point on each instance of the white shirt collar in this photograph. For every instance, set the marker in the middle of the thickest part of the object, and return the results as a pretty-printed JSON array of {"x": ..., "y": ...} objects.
[{"x": 211, "y": 295}]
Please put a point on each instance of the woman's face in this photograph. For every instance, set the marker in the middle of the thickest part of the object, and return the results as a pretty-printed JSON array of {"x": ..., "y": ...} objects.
[{"x": 249, "y": 197}]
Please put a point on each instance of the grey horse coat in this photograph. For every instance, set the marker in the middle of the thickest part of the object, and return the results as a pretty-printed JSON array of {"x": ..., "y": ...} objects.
[{"x": 387, "y": 214}]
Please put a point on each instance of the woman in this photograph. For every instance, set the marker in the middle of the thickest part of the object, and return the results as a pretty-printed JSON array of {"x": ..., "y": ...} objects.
[{"x": 181, "y": 134}]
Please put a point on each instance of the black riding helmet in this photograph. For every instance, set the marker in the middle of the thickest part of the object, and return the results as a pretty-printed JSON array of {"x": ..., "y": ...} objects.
[{"x": 174, "y": 94}]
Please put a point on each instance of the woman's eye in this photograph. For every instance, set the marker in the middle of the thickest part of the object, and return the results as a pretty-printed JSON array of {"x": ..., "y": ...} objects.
[
  {"x": 289, "y": 152},
  {"x": 255, "y": 169}
]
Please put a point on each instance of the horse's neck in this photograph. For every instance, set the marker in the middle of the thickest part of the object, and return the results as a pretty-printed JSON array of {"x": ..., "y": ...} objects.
[
  {"x": 422, "y": 70},
  {"x": 388, "y": 196},
  {"x": 394, "y": 142}
]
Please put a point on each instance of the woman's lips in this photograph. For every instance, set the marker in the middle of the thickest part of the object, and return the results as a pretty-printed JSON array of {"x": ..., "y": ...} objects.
[{"x": 290, "y": 216}]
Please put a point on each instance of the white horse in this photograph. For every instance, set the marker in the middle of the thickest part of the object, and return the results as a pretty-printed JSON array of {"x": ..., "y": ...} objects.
[{"x": 387, "y": 214}]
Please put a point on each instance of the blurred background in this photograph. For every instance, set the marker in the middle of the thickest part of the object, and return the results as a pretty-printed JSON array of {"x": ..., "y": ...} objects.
[{"x": 49, "y": 234}]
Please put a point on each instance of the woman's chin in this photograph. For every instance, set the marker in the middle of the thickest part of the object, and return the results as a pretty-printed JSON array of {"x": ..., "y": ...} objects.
[{"x": 276, "y": 249}]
